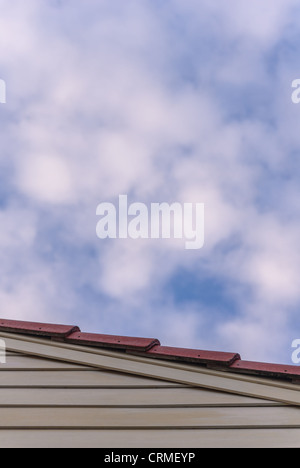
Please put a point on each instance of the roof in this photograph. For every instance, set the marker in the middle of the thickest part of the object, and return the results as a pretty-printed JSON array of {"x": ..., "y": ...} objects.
[{"x": 152, "y": 348}]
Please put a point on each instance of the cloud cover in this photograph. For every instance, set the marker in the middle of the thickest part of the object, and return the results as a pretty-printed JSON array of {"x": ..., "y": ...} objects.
[{"x": 163, "y": 101}]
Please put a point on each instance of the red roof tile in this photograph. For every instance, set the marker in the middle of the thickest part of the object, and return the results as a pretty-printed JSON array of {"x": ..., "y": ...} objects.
[
  {"x": 111, "y": 341},
  {"x": 34, "y": 328},
  {"x": 269, "y": 370},
  {"x": 150, "y": 347},
  {"x": 193, "y": 355}
]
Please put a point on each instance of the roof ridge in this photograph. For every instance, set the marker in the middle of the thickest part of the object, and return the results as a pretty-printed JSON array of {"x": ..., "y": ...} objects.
[
  {"x": 152, "y": 348},
  {"x": 193, "y": 355},
  {"x": 49, "y": 330},
  {"x": 112, "y": 341}
]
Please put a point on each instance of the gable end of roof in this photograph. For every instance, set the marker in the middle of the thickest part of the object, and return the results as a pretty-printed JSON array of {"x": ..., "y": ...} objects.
[{"x": 151, "y": 348}]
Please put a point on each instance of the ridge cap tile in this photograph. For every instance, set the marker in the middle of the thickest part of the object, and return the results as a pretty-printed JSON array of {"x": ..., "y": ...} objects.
[
  {"x": 193, "y": 355},
  {"x": 264, "y": 368},
  {"x": 151, "y": 347},
  {"x": 112, "y": 341},
  {"x": 37, "y": 328}
]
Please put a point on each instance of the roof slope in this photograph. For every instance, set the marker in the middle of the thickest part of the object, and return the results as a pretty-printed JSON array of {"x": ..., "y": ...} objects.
[{"x": 152, "y": 348}]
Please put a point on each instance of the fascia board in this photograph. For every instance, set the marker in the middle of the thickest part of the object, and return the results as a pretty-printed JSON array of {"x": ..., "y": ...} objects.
[{"x": 163, "y": 370}]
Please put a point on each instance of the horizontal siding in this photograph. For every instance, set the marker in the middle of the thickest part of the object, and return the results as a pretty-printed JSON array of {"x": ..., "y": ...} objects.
[
  {"x": 86, "y": 378},
  {"x": 127, "y": 397},
  {"x": 48, "y": 403},
  {"x": 21, "y": 362},
  {"x": 231, "y": 438},
  {"x": 145, "y": 418},
  {"x": 29, "y": 371},
  {"x": 191, "y": 375}
]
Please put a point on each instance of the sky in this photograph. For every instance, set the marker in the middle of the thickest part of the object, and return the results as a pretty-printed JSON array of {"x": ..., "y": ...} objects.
[{"x": 163, "y": 101}]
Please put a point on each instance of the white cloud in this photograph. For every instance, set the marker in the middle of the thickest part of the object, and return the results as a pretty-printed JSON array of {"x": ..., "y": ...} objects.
[
  {"x": 116, "y": 106},
  {"x": 126, "y": 269},
  {"x": 46, "y": 178}
]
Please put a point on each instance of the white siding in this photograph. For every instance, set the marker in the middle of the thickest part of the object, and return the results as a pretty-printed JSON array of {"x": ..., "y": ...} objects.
[{"x": 44, "y": 403}]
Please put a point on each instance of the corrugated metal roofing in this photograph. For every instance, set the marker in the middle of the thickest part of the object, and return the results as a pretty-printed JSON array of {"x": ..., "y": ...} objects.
[{"x": 151, "y": 347}]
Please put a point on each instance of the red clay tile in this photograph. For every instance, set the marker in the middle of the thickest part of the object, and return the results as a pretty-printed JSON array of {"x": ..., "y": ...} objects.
[
  {"x": 111, "y": 341},
  {"x": 39, "y": 329},
  {"x": 193, "y": 355},
  {"x": 150, "y": 347},
  {"x": 265, "y": 369}
]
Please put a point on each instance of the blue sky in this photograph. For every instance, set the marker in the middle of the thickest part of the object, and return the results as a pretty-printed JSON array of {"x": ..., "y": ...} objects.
[{"x": 186, "y": 101}]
